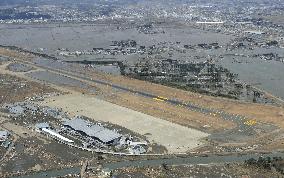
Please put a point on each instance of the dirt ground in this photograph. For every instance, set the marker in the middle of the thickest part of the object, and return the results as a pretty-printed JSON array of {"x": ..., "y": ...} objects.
[
  {"x": 258, "y": 113},
  {"x": 32, "y": 154},
  {"x": 17, "y": 55},
  {"x": 148, "y": 106},
  {"x": 175, "y": 114},
  {"x": 13, "y": 89},
  {"x": 262, "y": 113},
  {"x": 213, "y": 171}
]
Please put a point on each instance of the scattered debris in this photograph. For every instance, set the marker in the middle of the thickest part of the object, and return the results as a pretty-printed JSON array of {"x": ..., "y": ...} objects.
[{"x": 137, "y": 150}]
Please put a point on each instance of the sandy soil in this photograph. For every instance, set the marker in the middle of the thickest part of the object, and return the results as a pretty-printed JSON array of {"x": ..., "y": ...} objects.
[{"x": 174, "y": 137}]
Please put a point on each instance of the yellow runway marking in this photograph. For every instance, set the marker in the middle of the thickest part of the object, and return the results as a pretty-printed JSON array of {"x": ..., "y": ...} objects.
[
  {"x": 158, "y": 99},
  {"x": 161, "y": 99},
  {"x": 250, "y": 122}
]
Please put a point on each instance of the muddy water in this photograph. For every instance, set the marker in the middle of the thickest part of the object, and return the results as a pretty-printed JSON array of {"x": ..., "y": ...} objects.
[
  {"x": 52, "y": 173},
  {"x": 157, "y": 162},
  {"x": 267, "y": 75},
  {"x": 188, "y": 160}
]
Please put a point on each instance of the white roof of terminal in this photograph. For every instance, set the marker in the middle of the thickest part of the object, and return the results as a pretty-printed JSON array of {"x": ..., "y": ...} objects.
[
  {"x": 51, "y": 132},
  {"x": 100, "y": 132}
]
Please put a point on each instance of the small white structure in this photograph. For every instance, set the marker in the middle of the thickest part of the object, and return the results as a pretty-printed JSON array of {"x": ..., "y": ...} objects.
[
  {"x": 40, "y": 126},
  {"x": 255, "y": 32},
  {"x": 106, "y": 172},
  {"x": 211, "y": 22},
  {"x": 131, "y": 143},
  {"x": 53, "y": 133},
  {"x": 4, "y": 135}
]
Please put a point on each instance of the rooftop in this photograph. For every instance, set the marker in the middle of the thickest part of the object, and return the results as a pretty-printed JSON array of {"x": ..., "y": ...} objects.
[
  {"x": 92, "y": 130},
  {"x": 42, "y": 125}
]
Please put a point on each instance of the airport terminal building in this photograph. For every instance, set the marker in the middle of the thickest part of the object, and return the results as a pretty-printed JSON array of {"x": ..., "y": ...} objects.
[{"x": 98, "y": 132}]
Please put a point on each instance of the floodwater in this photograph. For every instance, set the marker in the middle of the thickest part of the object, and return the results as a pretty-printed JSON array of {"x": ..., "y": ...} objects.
[
  {"x": 188, "y": 160},
  {"x": 267, "y": 75},
  {"x": 61, "y": 80},
  {"x": 110, "y": 69},
  {"x": 51, "y": 173},
  {"x": 156, "y": 162},
  {"x": 48, "y": 38}
]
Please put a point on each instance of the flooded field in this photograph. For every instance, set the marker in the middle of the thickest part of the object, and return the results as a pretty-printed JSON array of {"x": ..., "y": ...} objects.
[
  {"x": 82, "y": 40},
  {"x": 86, "y": 36},
  {"x": 58, "y": 79}
]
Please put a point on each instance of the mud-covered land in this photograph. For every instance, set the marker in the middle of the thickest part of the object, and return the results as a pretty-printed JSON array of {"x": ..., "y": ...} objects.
[
  {"x": 34, "y": 154},
  {"x": 216, "y": 125},
  {"x": 227, "y": 121},
  {"x": 26, "y": 150},
  {"x": 13, "y": 89},
  {"x": 215, "y": 171}
]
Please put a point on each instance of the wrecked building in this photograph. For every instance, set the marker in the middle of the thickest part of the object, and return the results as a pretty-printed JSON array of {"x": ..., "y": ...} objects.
[{"x": 98, "y": 132}]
